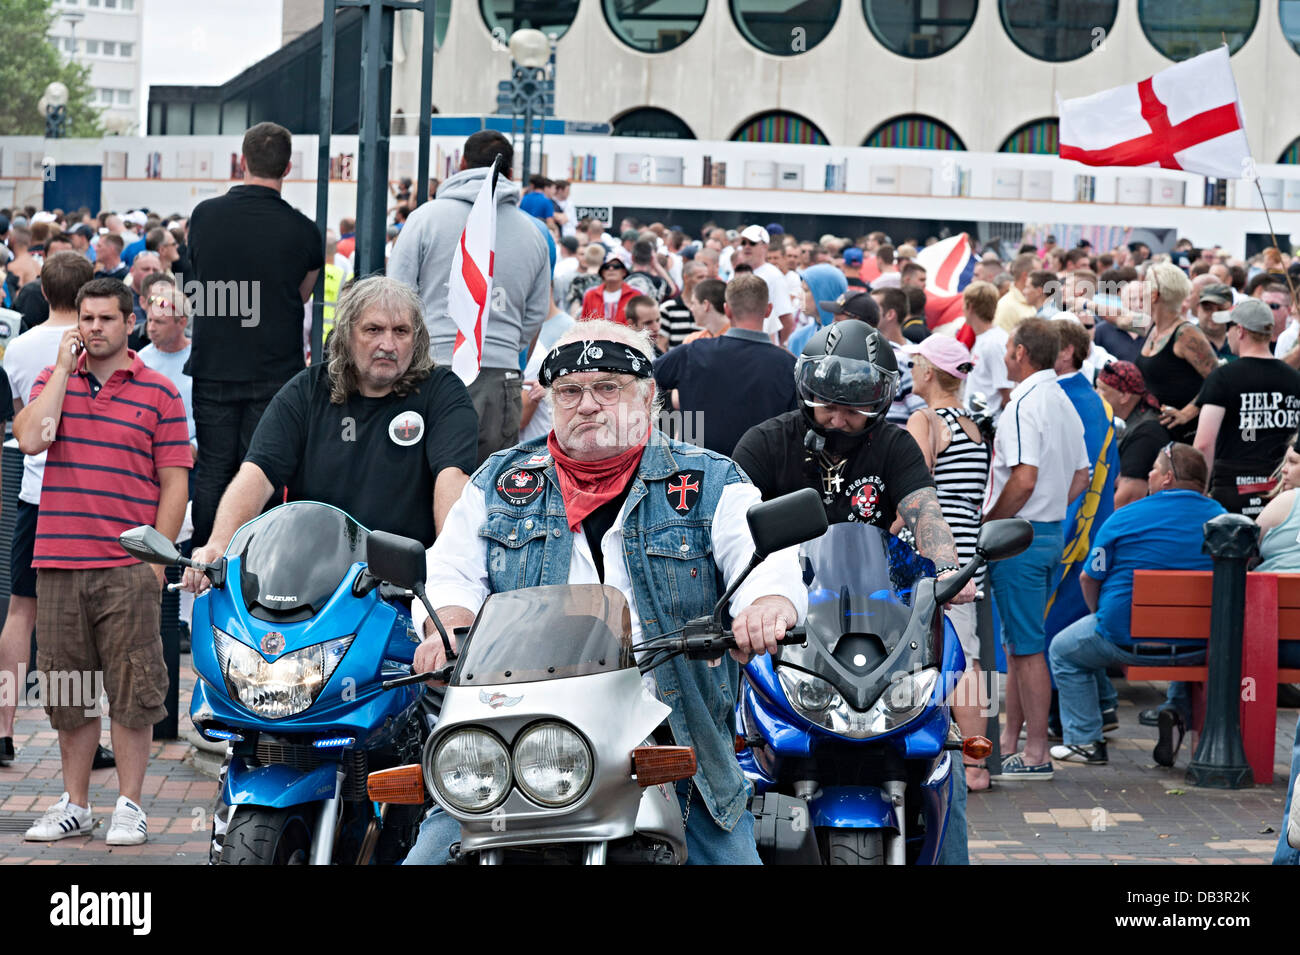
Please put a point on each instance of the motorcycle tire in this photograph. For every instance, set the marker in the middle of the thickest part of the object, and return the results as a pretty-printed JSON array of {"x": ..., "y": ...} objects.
[
  {"x": 258, "y": 836},
  {"x": 853, "y": 847}
]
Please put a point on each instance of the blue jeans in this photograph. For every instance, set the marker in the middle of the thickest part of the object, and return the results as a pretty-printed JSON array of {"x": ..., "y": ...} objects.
[
  {"x": 1079, "y": 656},
  {"x": 1285, "y": 855},
  {"x": 954, "y": 850},
  {"x": 1021, "y": 586},
  {"x": 706, "y": 842}
]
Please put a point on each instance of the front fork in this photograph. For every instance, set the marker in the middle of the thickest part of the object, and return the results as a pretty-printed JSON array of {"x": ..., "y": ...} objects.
[{"x": 322, "y": 845}]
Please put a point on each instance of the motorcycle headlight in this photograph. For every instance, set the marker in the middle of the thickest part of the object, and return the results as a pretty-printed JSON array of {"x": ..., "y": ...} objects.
[
  {"x": 552, "y": 764},
  {"x": 283, "y": 688},
  {"x": 817, "y": 701},
  {"x": 471, "y": 770}
]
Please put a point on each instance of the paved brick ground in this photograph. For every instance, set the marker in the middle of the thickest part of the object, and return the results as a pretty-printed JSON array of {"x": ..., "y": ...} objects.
[
  {"x": 177, "y": 797},
  {"x": 1129, "y": 812}
]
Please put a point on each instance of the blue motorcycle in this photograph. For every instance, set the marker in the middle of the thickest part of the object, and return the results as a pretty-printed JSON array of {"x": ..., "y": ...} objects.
[
  {"x": 847, "y": 738},
  {"x": 292, "y": 644}
]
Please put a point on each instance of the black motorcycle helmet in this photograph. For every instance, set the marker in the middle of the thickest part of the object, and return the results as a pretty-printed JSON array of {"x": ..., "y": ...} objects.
[{"x": 847, "y": 363}]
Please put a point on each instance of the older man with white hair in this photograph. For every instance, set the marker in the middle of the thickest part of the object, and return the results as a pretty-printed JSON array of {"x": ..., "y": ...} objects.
[{"x": 559, "y": 511}]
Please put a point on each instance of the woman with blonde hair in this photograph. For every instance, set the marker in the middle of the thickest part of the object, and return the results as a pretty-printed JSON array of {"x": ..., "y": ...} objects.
[{"x": 958, "y": 457}]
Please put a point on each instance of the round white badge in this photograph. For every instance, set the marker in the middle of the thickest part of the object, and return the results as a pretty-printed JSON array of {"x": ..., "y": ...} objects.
[{"x": 406, "y": 429}]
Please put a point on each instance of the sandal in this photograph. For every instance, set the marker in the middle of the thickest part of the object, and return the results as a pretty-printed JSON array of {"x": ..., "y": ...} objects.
[{"x": 982, "y": 764}]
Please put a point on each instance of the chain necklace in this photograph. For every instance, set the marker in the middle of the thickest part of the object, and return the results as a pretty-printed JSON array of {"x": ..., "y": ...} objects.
[{"x": 832, "y": 476}]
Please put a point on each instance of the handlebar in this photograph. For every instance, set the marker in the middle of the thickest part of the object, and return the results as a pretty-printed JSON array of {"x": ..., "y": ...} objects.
[
  {"x": 441, "y": 675},
  {"x": 711, "y": 645}
]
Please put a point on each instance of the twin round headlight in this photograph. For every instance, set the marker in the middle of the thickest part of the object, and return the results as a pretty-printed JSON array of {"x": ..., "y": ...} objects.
[{"x": 472, "y": 769}]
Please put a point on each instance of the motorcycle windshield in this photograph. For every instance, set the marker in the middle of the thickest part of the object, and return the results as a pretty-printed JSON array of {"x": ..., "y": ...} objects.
[
  {"x": 859, "y": 593},
  {"x": 294, "y": 557},
  {"x": 547, "y": 633}
]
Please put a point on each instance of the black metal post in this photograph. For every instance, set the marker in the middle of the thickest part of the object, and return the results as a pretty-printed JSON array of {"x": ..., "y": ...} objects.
[
  {"x": 372, "y": 151},
  {"x": 989, "y": 679},
  {"x": 323, "y": 170},
  {"x": 426, "y": 99},
  {"x": 1220, "y": 760},
  {"x": 169, "y": 728}
]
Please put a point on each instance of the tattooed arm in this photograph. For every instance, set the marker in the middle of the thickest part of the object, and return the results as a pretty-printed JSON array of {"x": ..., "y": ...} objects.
[
  {"x": 924, "y": 518},
  {"x": 1194, "y": 348}
]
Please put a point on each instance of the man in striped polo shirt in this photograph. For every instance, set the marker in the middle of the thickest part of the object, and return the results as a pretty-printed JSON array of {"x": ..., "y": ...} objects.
[{"x": 118, "y": 456}]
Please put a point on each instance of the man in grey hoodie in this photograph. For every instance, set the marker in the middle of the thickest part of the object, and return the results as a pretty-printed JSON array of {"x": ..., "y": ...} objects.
[{"x": 521, "y": 283}]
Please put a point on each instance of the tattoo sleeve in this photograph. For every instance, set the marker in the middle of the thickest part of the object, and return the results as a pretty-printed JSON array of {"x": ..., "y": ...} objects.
[
  {"x": 924, "y": 518},
  {"x": 1197, "y": 351}
]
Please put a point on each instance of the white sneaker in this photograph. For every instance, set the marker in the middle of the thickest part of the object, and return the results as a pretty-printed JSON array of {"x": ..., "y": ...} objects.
[
  {"x": 60, "y": 821},
  {"x": 130, "y": 826}
]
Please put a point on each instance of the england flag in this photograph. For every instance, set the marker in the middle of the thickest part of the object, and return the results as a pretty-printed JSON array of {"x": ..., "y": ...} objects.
[
  {"x": 469, "y": 289},
  {"x": 1186, "y": 117}
]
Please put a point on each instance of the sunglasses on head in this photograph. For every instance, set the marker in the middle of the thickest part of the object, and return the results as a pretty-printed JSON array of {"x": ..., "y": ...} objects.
[{"x": 1168, "y": 451}]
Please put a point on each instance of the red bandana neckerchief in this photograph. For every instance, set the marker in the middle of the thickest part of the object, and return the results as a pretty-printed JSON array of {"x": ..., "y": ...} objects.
[{"x": 586, "y": 485}]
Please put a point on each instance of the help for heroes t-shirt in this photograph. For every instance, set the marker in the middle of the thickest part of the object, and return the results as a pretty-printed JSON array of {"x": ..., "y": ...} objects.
[{"x": 1261, "y": 402}]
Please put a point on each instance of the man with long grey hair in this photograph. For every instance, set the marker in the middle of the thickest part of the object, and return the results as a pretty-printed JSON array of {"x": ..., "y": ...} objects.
[{"x": 378, "y": 431}]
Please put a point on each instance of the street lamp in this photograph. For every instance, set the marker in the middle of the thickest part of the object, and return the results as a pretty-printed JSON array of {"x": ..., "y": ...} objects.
[
  {"x": 532, "y": 85},
  {"x": 73, "y": 19},
  {"x": 54, "y": 104}
]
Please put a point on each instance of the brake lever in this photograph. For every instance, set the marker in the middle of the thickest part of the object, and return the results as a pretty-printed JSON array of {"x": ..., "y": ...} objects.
[{"x": 440, "y": 675}]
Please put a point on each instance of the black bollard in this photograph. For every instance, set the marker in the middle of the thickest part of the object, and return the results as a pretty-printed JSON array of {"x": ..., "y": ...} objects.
[
  {"x": 1220, "y": 760},
  {"x": 169, "y": 728}
]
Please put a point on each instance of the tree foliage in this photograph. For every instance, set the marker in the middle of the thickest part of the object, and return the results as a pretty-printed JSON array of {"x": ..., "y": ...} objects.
[{"x": 29, "y": 63}]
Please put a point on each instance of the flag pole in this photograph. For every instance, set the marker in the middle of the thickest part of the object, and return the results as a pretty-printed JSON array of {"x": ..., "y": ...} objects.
[
  {"x": 496, "y": 171},
  {"x": 1269, "y": 219}
]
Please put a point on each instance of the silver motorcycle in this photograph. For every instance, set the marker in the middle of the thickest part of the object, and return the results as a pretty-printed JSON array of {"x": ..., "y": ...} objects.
[{"x": 545, "y": 749}]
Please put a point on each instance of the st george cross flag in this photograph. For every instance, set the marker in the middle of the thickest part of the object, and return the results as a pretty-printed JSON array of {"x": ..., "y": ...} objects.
[
  {"x": 949, "y": 268},
  {"x": 469, "y": 289},
  {"x": 1186, "y": 117}
]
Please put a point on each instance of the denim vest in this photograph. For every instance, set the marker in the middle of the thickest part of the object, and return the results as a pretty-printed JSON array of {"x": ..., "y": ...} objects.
[{"x": 669, "y": 557}]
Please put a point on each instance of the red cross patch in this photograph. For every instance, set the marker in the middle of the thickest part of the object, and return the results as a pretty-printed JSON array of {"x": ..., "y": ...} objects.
[
  {"x": 518, "y": 486},
  {"x": 684, "y": 490}
]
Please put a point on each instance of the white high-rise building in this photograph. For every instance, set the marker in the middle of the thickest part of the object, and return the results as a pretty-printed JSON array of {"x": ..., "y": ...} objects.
[{"x": 107, "y": 36}]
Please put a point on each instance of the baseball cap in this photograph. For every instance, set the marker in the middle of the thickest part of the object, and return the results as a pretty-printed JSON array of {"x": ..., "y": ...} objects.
[
  {"x": 1252, "y": 315},
  {"x": 756, "y": 233},
  {"x": 1216, "y": 292},
  {"x": 136, "y": 218},
  {"x": 775, "y": 228},
  {"x": 852, "y": 256},
  {"x": 945, "y": 353},
  {"x": 43, "y": 217},
  {"x": 858, "y": 305}
]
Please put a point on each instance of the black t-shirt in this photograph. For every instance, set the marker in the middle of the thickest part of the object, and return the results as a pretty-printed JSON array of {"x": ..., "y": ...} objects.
[
  {"x": 1261, "y": 402},
  {"x": 727, "y": 385},
  {"x": 885, "y": 469},
  {"x": 375, "y": 458},
  {"x": 31, "y": 302},
  {"x": 254, "y": 332},
  {"x": 1143, "y": 438}
]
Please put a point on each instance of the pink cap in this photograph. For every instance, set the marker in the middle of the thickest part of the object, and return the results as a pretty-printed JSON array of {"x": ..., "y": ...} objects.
[{"x": 945, "y": 353}]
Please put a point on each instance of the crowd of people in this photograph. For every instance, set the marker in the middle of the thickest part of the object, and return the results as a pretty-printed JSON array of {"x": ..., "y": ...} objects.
[{"x": 1116, "y": 399}]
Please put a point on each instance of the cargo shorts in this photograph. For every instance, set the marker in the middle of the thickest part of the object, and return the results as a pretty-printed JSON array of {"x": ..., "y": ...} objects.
[{"x": 100, "y": 628}]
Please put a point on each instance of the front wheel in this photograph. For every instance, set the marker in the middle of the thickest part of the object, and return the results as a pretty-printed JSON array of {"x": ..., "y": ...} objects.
[
  {"x": 259, "y": 836},
  {"x": 852, "y": 846}
]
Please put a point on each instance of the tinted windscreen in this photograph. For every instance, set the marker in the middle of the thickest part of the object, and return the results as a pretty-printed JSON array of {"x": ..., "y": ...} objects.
[
  {"x": 547, "y": 633},
  {"x": 294, "y": 557}
]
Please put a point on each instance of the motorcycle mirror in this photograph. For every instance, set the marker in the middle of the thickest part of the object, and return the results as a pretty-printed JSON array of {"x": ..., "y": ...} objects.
[
  {"x": 786, "y": 520},
  {"x": 147, "y": 544},
  {"x": 395, "y": 559},
  {"x": 999, "y": 540}
]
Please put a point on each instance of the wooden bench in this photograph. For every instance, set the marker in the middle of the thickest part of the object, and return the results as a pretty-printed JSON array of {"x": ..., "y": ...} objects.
[{"x": 1171, "y": 604}]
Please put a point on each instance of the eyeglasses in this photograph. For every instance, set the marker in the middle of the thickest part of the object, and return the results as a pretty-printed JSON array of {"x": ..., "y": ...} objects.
[
  {"x": 1168, "y": 451},
  {"x": 1276, "y": 306},
  {"x": 605, "y": 392}
]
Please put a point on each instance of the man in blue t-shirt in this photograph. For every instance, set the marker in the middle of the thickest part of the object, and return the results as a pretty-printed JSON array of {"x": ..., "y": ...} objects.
[
  {"x": 536, "y": 201},
  {"x": 1159, "y": 532}
]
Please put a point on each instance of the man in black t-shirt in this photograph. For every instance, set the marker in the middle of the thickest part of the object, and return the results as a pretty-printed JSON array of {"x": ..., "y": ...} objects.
[
  {"x": 391, "y": 439},
  {"x": 1249, "y": 410},
  {"x": 1121, "y": 385},
  {"x": 839, "y": 443},
  {"x": 256, "y": 259}
]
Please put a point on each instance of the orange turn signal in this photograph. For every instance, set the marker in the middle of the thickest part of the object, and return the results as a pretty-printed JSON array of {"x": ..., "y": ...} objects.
[
  {"x": 403, "y": 785},
  {"x": 652, "y": 765},
  {"x": 976, "y": 747}
]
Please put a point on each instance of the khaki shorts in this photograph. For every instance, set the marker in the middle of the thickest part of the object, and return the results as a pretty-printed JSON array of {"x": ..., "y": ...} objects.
[{"x": 100, "y": 628}]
